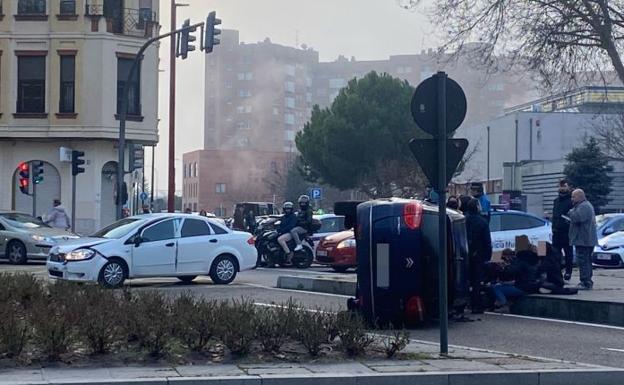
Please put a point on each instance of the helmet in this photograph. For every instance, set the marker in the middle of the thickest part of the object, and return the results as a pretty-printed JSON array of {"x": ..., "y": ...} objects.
[
  {"x": 287, "y": 206},
  {"x": 303, "y": 200}
]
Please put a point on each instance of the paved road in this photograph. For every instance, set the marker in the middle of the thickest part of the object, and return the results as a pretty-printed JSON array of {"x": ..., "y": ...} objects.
[{"x": 594, "y": 344}]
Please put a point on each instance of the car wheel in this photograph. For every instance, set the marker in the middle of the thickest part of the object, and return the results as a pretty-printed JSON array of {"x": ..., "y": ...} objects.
[
  {"x": 223, "y": 270},
  {"x": 16, "y": 253},
  {"x": 340, "y": 269},
  {"x": 187, "y": 278},
  {"x": 113, "y": 274}
]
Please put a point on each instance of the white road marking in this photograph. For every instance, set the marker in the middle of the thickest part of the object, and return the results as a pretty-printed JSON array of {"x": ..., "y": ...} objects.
[
  {"x": 612, "y": 327},
  {"x": 273, "y": 305},
  {"x": 295, "y": 291},
  {"x": 613, "y": 350}
]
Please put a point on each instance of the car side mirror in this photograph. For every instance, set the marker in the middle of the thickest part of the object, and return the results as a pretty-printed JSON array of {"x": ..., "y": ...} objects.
[
  {"x": 608, "y": 231},
  {"x": 138, "y": 240}
]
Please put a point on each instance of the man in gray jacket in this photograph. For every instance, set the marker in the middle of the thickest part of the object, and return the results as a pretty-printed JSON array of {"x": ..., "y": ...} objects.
[
  {"x": 58, "y": 216},
  {"x": 583, "y": 236}
]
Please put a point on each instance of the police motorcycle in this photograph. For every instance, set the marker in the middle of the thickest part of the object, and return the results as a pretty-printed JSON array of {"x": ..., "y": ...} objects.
[{"x": 271, "y": 253}]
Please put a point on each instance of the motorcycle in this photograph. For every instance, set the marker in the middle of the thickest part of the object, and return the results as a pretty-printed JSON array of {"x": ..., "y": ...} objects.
[{"x": 270, "y": 252}]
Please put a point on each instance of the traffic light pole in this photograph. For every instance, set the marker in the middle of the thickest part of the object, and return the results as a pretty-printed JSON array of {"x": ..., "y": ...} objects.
[
  {"x": 73, "y": 204},
  {"x": 172, "y": 102},
  {"x": 124, "y": 113},
  {"x": 442, "y": 247},
  {"x": 34, "y": 196}
]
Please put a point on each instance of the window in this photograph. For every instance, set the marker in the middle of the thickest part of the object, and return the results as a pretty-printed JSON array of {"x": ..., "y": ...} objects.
[
  {"x": 519, "y": 222},
  {"x": 273, "y": 166},
  {"x": 290, "y": 102},
  {"x": 289, "y": 135},
  {"x": 220, "y": 212},
  {"x": 159, "y": 232},
  {"x": 184, "y": 170},
  {"x": 337, "y": 83},
  {"x": 195, "y": 169},
  {"x": 241, "y": 76},
  {"x": 290, "y": 70},
  {"x": 68, "y": 7},
  {"x": 218, "y": 229},
  {"x": 248, "y": 76},
  {"x": 31, "y": 84},
  {"x": 134, "y": 92},
  {"x": 495, "y": 223},
  {"x": 332, "y": 225},
  {"x": 31, "y": 7},
  {"x": 248, "y": 109},
  {"x": 194, "y": 228},
  {"x": 67, "y": 92},
  {"x": 289, "y": 86},
  {"x": 289, "y": 118},
  {"x": 195, "y": 207},
  {"x": 220, "y": 188}
]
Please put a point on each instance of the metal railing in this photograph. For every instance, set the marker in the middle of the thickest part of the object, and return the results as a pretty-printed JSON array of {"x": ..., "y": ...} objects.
[{"x": 124, "y": 21}]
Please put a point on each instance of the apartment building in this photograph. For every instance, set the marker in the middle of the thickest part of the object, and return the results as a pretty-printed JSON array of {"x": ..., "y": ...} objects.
[{"x": 62, "y": 66}]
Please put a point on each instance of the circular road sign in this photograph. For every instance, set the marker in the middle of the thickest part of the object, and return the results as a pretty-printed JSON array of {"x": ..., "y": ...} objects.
[
  {"x": 143, "y": 196},
  {"x": 425, "y": 105}
]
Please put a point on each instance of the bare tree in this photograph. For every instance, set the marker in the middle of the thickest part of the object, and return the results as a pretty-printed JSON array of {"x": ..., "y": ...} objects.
[
  {"x": 567, "y": 42},
  {"x": 609, "y": 130}
]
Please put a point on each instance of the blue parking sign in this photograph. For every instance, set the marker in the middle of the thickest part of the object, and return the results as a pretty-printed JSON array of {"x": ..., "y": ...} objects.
[
  {"x": 317, "y": 193},
  {"x": 143, "y": 196}
]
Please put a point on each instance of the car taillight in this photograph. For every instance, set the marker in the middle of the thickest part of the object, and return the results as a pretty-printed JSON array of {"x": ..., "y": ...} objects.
[
  {"x": 415, "y": 310},
  {"x": 412, "y": 215},
  {"x": 251, "y": 241}
]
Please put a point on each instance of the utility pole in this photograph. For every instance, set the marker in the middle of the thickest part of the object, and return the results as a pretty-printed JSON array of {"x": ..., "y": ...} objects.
[{"x": 152, "y": 187}]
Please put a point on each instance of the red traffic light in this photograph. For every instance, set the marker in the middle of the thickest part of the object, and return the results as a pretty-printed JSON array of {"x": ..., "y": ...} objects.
[{"x": 23, "y": 166}]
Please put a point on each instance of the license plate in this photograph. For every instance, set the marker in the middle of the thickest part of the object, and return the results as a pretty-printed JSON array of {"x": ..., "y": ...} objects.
[
  {"x": 603, "y": 257},
  {"x": 321, "y": 253}
]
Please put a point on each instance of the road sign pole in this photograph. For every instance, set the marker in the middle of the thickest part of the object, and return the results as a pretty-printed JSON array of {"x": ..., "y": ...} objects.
[{"x": 442, "y": 252}]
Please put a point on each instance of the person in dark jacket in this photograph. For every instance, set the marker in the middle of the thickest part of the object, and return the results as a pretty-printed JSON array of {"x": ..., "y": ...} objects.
[
  {"x": 452, "y": 202},
  {"x": 304, "y": 221},
  {"x": 561, "y": 227},
  {"x": 463, "y": 203},
  {"x": 287, "y": 223},
  {"x": 479, "y": 251}
]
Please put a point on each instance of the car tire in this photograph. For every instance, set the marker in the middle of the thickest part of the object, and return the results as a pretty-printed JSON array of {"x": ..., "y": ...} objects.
[
  {"x": 340, "y": 269},
  {"x": 113, "y": 274},
  {"x": 16, "y": 253},
  {"x": 223, "y": 270},
  {"x": 187, "y": 278}
]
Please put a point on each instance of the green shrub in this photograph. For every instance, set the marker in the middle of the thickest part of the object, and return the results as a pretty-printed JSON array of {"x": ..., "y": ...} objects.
[
  {"x": 237, "y": 329},
  {"x": 99, "y": 318},
  {"x": 21, "y": 288},
  {"x": 271, "y": 328},
  {"x": 150, "y": 321},
  {"x": 53, "y": 327},
  {"x": 14, "y": 330},
  {"x": 314, "y": 330},
  {"x": 354, "y": 338},
  {"x": 395, "y": 342},
  {"x": 195, "y": 321}
]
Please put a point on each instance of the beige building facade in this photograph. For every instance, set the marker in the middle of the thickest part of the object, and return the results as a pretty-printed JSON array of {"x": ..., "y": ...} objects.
[{"x": 61, "y": 66}]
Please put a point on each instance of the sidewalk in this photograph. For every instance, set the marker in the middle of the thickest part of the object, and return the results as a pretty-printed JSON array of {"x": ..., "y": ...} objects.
[
  {"x": 604, "y": 304},
  {"x": 424, "y": 366}
]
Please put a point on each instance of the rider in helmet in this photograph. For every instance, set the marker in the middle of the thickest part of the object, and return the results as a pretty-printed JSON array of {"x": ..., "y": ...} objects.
[
  {"x": 287, "y": 223},
  {"x": 304, "y": 220}
]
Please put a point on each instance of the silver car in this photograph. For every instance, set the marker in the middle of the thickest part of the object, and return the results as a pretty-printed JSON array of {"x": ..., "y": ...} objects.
[{"x": 23, "y": 237}]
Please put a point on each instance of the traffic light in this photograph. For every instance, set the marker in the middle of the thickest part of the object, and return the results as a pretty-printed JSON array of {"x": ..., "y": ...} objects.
[
  {"x": 185, "y": 39},
  {"x": 37, "y": 172},
  {"x": 209, "y": 39},
  {"x": 24, "y": 173},
  {"x": 77, "y": 161}
]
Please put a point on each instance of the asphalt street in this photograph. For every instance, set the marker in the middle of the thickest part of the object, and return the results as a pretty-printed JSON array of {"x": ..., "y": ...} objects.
[{"x": 593, "y": 344}]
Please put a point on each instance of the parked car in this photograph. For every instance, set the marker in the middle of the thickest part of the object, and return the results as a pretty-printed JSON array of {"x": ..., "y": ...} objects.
[
  {"x": 506, "y": 225},
  {"x": 330, "y": 224},
  {"x": 155, "y": 245},
  {"x": 607, "y": 224},
  {"x": 610, "y": 251},
  {"x": 24, "y": 237},
  {"x": 338, "y": 251}
]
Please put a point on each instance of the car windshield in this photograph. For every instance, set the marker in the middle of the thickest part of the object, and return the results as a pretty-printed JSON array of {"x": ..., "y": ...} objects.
[
  {"x": 117, "y": 229},
  {"x": 23, "y": 221}
]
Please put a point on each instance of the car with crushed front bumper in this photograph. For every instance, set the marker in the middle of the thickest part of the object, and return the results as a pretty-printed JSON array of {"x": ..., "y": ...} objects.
[
  {"x": 610, "y": 251},
  {"x": 155, "y": 245}
]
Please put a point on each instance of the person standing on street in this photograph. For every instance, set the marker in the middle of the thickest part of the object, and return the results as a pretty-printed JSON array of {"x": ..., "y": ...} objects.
[
  {"x": 57, "y": 217},
  {"x": 477, "y": 192},
  {"x": 561, "y": 227},
  {"x": 479, "y": 251},
  {"x": 583, "y": 236}
]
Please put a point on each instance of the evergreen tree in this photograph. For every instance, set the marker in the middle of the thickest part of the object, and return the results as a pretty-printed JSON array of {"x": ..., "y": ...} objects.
[{"x": 588, "y": 168}]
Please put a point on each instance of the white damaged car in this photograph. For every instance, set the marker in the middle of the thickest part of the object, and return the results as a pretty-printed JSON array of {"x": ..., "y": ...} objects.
[
  {"x": 610, "y": 251},
  {"x": 155, "y": 245}
]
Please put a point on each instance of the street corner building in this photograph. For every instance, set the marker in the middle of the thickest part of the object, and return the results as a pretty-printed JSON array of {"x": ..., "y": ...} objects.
[{"x": 63, "y": 65}]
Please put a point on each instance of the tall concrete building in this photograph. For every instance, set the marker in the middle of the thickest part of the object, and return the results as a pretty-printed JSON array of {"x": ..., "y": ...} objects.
[
  {"x": 62, "y": 65},
  {"x": 258, "y": 96}
]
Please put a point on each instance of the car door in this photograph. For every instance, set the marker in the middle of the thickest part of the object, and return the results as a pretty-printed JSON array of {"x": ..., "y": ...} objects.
[
  {"x": 3, "y": 239},
  {"x": 156, "y": 253},
  {"x": 195, "y": 247}
]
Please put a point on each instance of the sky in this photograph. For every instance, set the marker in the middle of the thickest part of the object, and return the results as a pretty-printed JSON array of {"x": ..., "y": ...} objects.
[{"x": 365, "y": 29}]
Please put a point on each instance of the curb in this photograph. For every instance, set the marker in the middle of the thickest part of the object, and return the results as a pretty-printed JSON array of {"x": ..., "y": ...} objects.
[
  {"x": 571, "y": 309},
  {"x": 317, "y": 284},
  {"x": 545, "y": 377}
]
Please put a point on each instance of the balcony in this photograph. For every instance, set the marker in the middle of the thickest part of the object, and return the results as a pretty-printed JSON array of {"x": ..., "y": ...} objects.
[{"x": 124, "y": 21}]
